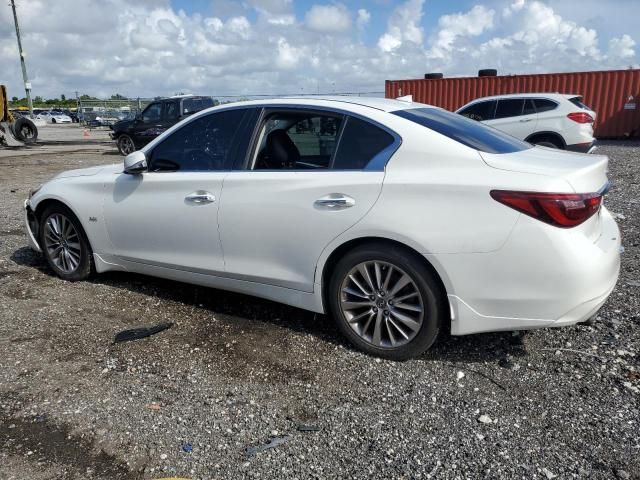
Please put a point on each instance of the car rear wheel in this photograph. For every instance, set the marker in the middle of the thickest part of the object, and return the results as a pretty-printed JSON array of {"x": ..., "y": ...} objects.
[
  {"x": 125, "y": 145},
  {"x": 64, "y": 244},
  {"x": 386, "y": 302}
]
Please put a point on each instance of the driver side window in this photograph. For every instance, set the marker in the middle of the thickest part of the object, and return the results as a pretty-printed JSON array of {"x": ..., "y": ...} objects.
[
  {"x": 152, "y": 113},
  {"x": 205, "y": 144}
]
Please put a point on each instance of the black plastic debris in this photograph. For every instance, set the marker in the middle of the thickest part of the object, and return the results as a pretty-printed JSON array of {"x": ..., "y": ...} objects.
[
  {"x": 140, "y": 332},
  {"x": 308, "y": 428},
  {"x": 272, "y": 443}
]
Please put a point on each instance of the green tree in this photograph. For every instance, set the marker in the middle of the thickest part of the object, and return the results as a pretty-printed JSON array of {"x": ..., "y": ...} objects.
[{"x": 62, "y": 97}]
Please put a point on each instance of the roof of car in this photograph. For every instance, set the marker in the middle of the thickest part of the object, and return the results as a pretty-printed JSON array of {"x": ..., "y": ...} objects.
[
  {"x": 378, "y": 103},
  {"x": 556, "y": 96}
]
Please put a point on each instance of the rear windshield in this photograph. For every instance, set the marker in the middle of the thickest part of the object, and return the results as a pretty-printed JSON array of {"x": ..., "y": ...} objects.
[
  {"x": 193, "y": 105},
  {"x": 463, "y": 130},
  {"x": 577, "y": 101}
]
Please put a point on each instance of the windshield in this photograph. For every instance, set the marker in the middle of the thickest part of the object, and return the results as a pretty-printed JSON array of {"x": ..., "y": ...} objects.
[{"x": 463, "y": 130}]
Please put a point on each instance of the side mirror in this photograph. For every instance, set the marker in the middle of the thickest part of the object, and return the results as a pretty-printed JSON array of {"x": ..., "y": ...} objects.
[{"x": 135, "y": 163}]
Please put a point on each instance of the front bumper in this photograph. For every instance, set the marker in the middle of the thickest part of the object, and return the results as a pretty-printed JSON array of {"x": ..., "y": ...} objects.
[
  {"x": 542, "y": 277},
  {"x": 31, "y": 225}
]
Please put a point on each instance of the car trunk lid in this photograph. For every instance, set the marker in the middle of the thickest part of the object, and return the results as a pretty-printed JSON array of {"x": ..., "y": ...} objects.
[{"x": 585, "y": 173}]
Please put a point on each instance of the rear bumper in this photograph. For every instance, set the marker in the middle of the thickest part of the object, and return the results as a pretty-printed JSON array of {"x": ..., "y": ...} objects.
[
  {"x": 588, "y": 147},
  {"x": 542, "y": 277}
]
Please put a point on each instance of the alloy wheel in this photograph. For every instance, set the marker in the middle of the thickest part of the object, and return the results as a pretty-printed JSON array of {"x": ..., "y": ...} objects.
[
  {"x": 382, "y": 304},
  {"x": 62, "y": 242},
  {"x": 126, "y": 145}
]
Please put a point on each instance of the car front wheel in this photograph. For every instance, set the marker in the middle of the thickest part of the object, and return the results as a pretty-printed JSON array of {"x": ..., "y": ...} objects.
[
  {"x": 386, "y": 301},
  {"x": 125, "y": 145},
  {"x": 64, "y": 244}
]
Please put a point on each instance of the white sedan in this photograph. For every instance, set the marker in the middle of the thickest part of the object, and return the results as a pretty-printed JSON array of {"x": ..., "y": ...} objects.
[
  {"x": 54, "y": 117},
  {"x": 397, "y": 218}
]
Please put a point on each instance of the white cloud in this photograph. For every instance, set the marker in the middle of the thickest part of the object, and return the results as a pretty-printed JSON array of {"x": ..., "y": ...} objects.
[
  {"x": 622, "y": 47},
  {"x": 456, "y": 25},
  {"x": 403, "y": 26},
  {"x": 363, "y": 19},
  {"x": 328, "y": 18},
  {"x": 148, "y": 48}
]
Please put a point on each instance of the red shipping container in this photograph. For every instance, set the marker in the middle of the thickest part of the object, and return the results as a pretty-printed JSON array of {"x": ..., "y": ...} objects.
[{"x": 613, "y": 94}]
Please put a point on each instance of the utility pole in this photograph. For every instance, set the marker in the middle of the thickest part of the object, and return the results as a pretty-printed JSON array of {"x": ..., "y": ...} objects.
[{"x": 27, "y": 84}]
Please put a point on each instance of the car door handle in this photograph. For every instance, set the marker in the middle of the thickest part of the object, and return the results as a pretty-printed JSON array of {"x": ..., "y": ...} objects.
[
  {"x": 200, "y": 197},
  {"x": 334, "y": 201},
  {"x": 523, "y": 120}
]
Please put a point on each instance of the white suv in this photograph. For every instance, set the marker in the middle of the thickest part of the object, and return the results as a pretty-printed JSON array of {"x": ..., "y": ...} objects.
[{"x": 548, "y": 119}]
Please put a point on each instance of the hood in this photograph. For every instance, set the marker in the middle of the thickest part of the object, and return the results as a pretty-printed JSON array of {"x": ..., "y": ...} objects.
[
  {"x": 586, "y": 173},
  {"x": 85, "y": 172},
  {"x": 121, "y": 124}
]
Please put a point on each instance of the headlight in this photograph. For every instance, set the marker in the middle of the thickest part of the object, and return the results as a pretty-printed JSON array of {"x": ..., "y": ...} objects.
[{"x": 33, "y": 191}]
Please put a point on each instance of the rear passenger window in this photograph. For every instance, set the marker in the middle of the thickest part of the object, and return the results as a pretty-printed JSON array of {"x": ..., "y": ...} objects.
[
  {"x": 480, "y": 111},
  {"x": 544, "y": 105},
  {"x": 511, "y": 107},
  {"x": 360, "y": 142}
]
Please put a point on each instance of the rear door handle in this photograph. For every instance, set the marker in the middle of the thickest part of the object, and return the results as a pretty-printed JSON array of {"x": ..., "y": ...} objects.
[
  {"x": 334, "y": 201},
  {"x": 200, "y": 197},
  {"x": 523, "y": 120}
]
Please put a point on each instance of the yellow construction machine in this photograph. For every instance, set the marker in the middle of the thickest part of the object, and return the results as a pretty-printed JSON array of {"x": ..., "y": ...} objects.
[{"x": 14, "y": 132}]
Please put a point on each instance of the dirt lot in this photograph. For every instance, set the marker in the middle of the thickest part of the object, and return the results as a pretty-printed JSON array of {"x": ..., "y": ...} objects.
[{"x": 235, "y": 371}]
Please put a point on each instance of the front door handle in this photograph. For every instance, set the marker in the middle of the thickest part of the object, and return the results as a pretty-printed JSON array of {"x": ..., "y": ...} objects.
[
  {"x": 200, "y": 197},
  {"x": 334, "y": 201}
]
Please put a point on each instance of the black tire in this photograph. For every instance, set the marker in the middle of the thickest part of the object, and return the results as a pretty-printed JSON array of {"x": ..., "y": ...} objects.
[
  {"x": 85, "y": 266},
  {"x": 488, "y": 72},
  {"x": 25, "y": 130},
  {"x": 434, "y": 307},
  {"x": 124, "y": 142},
  {"x": 53, "y": 120}
]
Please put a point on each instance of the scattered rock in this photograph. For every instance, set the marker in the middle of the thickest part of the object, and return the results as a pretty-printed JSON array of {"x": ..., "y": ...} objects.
[{"x": 484, "y": 419}]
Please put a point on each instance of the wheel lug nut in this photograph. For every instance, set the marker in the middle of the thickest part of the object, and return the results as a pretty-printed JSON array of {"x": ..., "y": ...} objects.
[
  {"x": 381, "y": 293},
  {"x": 386, "y": 312},
  {"x": 390, "y": 302},
  {"x": 372, "y": 297},
  {"x": 375, "y": 310}
]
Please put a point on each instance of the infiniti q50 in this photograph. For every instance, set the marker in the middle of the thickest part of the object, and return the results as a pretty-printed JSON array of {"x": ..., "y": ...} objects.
[{"x": 398, "y": 219}]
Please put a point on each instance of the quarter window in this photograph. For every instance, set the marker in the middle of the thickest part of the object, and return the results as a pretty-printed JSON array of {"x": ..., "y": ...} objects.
[
  {"x": 360, "y": 142},
  {"x": 544, "y": 105},
  {"x": 204, "y": 144},
  {"x": 511, "y": 107},
  {"x": 480, "y": 111}
]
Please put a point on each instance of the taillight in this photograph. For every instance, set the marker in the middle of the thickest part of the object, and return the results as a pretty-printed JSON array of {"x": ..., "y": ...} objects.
[
  {"x": 562, "y": 210},
  {"x": 580, "y": 117}
]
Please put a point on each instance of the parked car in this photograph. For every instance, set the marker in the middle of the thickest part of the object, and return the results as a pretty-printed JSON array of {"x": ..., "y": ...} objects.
[
  {"x": 410, "y": 221},
  {"x": 54, "y": 117},
  {"x": 548, "y": 119},
  {"x": 158, "y": 116},
  {"x": 72, "y": 115}
]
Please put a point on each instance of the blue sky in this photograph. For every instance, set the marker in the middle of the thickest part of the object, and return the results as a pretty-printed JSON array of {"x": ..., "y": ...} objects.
[{"x": 161, "y": 47}]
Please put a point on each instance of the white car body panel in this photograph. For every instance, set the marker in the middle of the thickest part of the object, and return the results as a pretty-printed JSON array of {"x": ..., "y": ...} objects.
[
  {"x": 148, "y": 216},
  {"x": 262, "y": 235}
]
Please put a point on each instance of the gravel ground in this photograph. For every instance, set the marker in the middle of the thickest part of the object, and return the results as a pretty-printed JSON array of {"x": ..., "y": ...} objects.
[{"x": 235, "y": 371}]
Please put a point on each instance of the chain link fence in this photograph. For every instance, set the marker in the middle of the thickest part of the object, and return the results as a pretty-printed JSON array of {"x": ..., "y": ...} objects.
[{"x": 97, "y": 112}]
